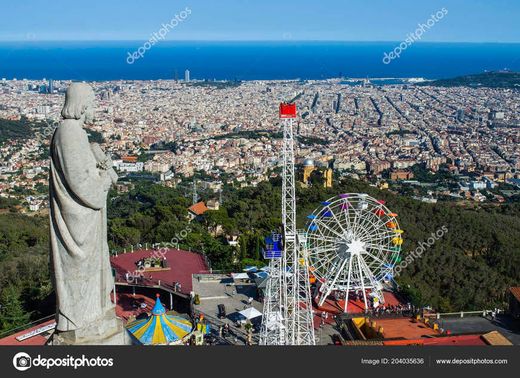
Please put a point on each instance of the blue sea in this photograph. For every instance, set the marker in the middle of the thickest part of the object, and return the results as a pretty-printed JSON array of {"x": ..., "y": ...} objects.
[{"x": 98, "y": 61}]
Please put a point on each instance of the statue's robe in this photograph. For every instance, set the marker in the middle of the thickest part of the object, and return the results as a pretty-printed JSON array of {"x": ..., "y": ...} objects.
[{"x": 79, "y": 251}]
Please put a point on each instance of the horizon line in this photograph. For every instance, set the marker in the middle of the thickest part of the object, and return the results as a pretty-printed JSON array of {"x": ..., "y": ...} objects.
[{"x": 252, "y": 40}]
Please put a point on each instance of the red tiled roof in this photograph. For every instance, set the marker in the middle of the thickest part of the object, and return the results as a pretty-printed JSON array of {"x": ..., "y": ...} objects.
[
  {"x": 35, "y": 340},
  {"x": 516, "y": 292},
  {"x": 182, "y": 264},
  {"x": 198, "y": 209}
]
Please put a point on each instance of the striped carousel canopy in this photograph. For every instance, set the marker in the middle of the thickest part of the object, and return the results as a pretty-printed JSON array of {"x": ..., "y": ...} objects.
[{"x": 160, "y": 328}]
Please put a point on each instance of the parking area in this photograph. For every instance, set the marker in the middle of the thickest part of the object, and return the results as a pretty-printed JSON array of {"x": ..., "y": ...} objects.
[
  {"x": 215, "y": 290},
  {"x": 235, "y": 296}
]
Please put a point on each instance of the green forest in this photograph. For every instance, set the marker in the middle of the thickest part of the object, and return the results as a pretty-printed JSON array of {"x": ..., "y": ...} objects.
[
  {"x": 25, "y": 129},
  {"x": 469, "y": 268},
  {"x": 14, "y": 130},
  {"x": 25, "y": 287}
]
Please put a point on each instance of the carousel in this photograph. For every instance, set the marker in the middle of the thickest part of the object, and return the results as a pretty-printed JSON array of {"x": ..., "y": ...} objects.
[{"x": 160, "y": 328}]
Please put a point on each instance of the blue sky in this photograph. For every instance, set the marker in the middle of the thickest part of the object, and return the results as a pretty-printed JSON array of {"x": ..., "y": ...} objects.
[{"x": 346, "y": 20}]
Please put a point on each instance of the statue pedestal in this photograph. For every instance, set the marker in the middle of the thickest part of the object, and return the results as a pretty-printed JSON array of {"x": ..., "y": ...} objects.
[{"x": 106, "y": 331}]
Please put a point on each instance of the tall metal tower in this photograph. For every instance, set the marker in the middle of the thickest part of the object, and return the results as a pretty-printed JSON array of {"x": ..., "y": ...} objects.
[
  {"x": 290, "y": 255},
  {"x": 273, "y": 330},
  {"x": 296, "y": 321}
]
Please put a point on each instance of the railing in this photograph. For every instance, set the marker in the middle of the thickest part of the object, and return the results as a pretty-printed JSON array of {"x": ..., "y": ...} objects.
[
  {"x": 25, "y": 326},
  {"x": 207, "y": 277},
  {"x": 147, "y": 282},
  {"x": 379, "y": 315},
  {"x": 461, "y": 314}
]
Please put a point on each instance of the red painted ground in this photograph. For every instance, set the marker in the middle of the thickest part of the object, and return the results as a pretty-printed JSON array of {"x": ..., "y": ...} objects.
[
  {"x": 183, "y": 265},
  {"x": 404, "y": 327},
  {"x": 354, "y": 306},
  {"x": 456, "y": 340},
  {"x": 130, "y": 305},
  {"x": 35, "y": 340},
  {"x": 461, "y": 340}
]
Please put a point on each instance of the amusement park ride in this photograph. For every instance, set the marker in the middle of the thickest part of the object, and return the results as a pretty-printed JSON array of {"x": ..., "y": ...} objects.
[
  {"x": 354, "y": 242},
  {"x": 351, "y": 244},
  {"x": 287, "y": 318}
]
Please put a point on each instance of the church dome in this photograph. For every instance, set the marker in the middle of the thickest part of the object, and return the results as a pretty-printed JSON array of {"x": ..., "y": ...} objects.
[{"x": 308, "y": 163}]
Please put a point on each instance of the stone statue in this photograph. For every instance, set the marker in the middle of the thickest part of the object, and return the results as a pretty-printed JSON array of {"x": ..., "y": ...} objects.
[{"x": 80, "y": 178}]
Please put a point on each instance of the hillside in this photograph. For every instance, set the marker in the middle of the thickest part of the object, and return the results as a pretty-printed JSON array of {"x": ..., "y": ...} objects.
[
  {"x": 497, "y": 79},
  {"x": 469, "y": 268},
  {"x": 25, "y": 287},
  {"x": 15, "y": 130}
]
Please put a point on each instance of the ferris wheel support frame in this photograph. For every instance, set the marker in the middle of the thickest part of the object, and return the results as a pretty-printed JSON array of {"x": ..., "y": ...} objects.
[{"x": 327, "y": 288}]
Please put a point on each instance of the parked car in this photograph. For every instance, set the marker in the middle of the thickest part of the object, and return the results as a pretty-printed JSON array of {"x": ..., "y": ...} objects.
[{"x": 221, "y": 311}]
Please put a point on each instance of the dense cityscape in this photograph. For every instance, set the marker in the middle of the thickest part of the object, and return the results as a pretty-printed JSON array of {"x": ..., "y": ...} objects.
[{"x": 453, "y": 143}]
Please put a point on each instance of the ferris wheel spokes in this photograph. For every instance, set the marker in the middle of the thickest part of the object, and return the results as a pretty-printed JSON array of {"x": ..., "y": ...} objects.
[
  {"x": 327, "y": 287},
  {"x": 353, "y": 244}
]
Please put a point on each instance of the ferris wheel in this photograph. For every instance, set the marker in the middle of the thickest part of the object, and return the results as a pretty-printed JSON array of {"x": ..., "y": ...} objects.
[{"x": 354, "y": 242}]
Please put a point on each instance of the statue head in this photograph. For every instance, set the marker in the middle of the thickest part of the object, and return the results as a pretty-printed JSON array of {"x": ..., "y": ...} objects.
[{"x": 79, "y": 101}]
